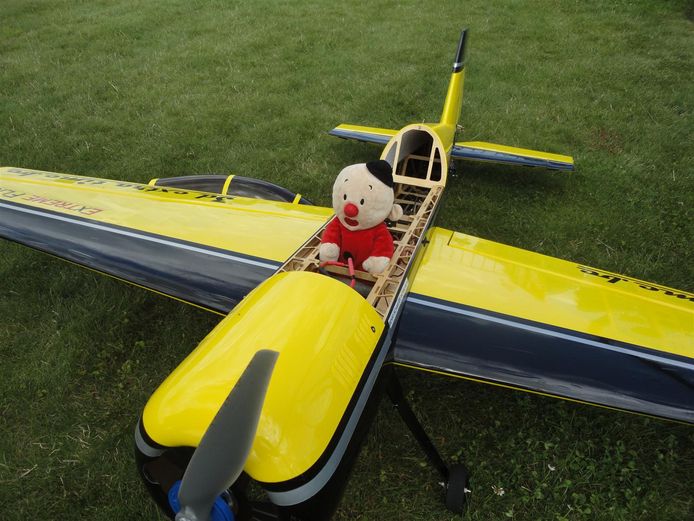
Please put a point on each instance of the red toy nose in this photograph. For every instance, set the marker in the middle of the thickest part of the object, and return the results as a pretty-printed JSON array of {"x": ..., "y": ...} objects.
[{"x": 351, "y": 210}]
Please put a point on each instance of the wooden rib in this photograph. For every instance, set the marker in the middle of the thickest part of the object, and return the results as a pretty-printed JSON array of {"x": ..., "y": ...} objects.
[{"x": 358, "y": 274}]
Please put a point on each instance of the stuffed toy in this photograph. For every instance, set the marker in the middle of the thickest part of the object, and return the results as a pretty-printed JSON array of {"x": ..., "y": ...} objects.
[{"x": 362, "y": 199}]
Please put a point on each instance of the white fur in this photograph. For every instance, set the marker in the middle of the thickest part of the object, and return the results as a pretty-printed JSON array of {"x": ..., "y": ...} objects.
[
  {"x": 395, "y": 213},
  {"x": 329, "y": 251},
  {"x": 376, "y": 265}
]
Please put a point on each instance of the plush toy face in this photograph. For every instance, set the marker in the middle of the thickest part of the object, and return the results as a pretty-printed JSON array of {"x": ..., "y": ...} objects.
[{"x": 360, "y": 200}]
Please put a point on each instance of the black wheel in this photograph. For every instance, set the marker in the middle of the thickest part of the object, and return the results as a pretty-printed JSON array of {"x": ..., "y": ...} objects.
[{"x": 457, "y": 488}]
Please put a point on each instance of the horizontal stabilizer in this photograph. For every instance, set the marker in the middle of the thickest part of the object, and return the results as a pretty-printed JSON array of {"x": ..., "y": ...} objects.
[
  {"x": 380, "y": 136},
  {"x": 490, "y": 152}
]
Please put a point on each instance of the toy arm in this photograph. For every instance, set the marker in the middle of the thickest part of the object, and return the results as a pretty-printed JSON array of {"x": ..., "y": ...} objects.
[
  {"x": 330, "y": 242},
  {"x": 383, "y": 243},
  {"x": 382, "y": 251}
]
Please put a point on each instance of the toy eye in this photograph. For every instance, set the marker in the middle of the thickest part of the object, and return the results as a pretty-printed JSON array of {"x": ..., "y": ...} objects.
[
  {"x": 361, "y": 202},
  {"x": 344, "y": 197}
]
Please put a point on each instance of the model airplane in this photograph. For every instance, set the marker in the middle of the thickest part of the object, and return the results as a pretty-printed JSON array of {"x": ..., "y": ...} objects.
[{"x": 283, "y": 389}]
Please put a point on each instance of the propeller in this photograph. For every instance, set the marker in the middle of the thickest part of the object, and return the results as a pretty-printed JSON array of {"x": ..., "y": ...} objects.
[{"x": 223, "y": 450}]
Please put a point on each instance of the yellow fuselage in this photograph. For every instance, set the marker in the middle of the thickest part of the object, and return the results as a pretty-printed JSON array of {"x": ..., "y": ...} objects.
[{"x": 325, "y": 333}]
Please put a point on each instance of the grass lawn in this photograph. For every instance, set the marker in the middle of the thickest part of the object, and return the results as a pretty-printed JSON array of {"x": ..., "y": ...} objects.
[{"x": 137, "y": 90}]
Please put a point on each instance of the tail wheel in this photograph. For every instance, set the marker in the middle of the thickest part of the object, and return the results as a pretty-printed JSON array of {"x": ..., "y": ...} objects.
[{"x": 457, "y": 488}]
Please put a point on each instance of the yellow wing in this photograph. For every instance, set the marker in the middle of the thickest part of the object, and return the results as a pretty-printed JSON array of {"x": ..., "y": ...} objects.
[
  {"x": 203, "y": 248},
  {"x": 491, "y": 312}
]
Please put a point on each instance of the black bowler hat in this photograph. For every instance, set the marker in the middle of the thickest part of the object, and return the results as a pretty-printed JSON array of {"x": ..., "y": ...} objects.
[{"x": 382, "y": 171}]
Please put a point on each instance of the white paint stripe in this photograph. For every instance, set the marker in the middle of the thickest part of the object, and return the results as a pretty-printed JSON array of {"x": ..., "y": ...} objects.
[
  {"x": 311, "y": 488},
  {"x": 549, "y": 332},
  {"x": 143, "y": 237}
]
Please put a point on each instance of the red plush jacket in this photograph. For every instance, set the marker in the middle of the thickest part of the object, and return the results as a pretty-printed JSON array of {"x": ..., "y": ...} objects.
[{"x": 361, "y": 244}]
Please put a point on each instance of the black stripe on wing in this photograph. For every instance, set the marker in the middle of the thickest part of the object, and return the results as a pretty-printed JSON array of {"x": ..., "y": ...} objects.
[
  {"x": 466, "y": 341},
  {"x": 205, "y": 276}
]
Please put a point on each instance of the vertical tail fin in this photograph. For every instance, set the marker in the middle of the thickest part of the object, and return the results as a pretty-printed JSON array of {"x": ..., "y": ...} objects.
[{"x": 454, "y": 96}]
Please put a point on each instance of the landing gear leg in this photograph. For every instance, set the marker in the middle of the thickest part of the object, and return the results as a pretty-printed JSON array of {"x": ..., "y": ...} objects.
[
  {"x": 252, "y": 510},
  {"x": 455, "y": 477}
]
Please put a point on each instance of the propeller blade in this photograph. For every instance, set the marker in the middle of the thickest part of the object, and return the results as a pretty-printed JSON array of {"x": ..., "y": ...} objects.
[{"x": 223, "y": 450}]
